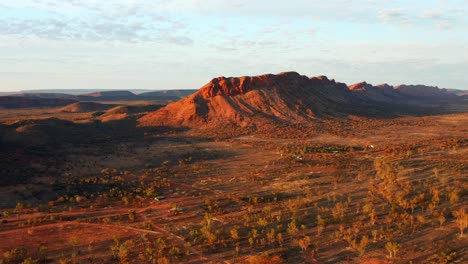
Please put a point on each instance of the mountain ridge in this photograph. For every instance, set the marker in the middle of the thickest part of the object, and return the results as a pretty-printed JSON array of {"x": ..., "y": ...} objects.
[{"x": 287, "y": 98}]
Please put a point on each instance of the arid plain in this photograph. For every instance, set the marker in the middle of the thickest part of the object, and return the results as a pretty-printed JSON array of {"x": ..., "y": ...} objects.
[{"x": 266, "y": 169}]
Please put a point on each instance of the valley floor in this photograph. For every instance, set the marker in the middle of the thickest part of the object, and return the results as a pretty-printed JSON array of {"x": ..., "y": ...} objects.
[{"x": 379, "y": 191}]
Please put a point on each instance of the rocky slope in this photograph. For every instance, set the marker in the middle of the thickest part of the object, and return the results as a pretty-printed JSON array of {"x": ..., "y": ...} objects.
[
  {"x": 423, "y": 91},
  {"x": 288, "y": 98},
  {"x": 251, "y": 101}
]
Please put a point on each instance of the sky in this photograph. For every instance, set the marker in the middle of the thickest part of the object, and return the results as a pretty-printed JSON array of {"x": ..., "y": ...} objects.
[{"x": 166, "y": 44}]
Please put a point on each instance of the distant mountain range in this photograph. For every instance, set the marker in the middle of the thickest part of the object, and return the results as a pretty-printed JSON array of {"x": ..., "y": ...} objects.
[
  {"x": 287, "y": 96},
  {"x": 56, "y": 99},
  {"x": 81, "y": 91},
  {"x": 13, "y": 102},
  {"x": 458, "y": 92}
]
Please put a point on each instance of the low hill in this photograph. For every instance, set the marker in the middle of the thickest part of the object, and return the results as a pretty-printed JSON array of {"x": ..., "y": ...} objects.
[
  {"x": 41, "y": 132},
  {"x": 16, "y": 102},
  {"x": 167, "y": 94},
  {"x": 83, "y": 107},
  {"x": 163, "y": 95},
  {"x": 72, "y": 91},
  {"x": 125, "y": 111},
  {"x": 109, "y": 96},
  {"x": 48, "y": 95},
  {"x": 51, "y": 132}
]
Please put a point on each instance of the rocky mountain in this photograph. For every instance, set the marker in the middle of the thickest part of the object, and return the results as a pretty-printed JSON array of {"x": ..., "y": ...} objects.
[
  {"x": 289, "y": 98},
  {"x": 401, "y": 93},
  {"x": 379, "y": 93},
  {"x": 252, "y": 101},
  {"x": 423, "y": 91}
]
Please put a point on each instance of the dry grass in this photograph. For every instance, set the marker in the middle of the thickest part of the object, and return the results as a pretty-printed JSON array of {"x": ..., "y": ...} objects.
[{"x": 251, "y": 184}]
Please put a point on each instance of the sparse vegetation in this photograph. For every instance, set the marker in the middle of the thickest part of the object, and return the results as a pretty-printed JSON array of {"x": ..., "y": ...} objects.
[{"x": 172, "y": 197}]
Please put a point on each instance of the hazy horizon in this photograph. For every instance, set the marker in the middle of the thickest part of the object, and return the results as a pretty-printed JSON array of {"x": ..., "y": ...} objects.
[
  {"x": 182, "y": 44},
  {"x": 78, "y": 91}
]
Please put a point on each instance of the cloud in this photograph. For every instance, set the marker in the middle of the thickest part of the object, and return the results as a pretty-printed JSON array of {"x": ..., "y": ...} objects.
[
  {"x": 81, "y": 30},
  {"x": 206, "y": 38},
  {"x": 90, "y": 21},
  {"x": 168, "y": 20},
  {"x": 398, "y": 16},
  {"x": 180, "y": 40},
  {"x": 440, "y": 18}
]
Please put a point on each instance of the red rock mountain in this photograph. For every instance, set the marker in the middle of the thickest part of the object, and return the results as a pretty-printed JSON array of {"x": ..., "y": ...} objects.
[
  {"x": 285, "y": 98},
  {"x": 379, "y": 93},
  {"x": 247, "y": 101},
  {"x": 399, "y": 94},
  {"x": 424, "y": 91}
]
